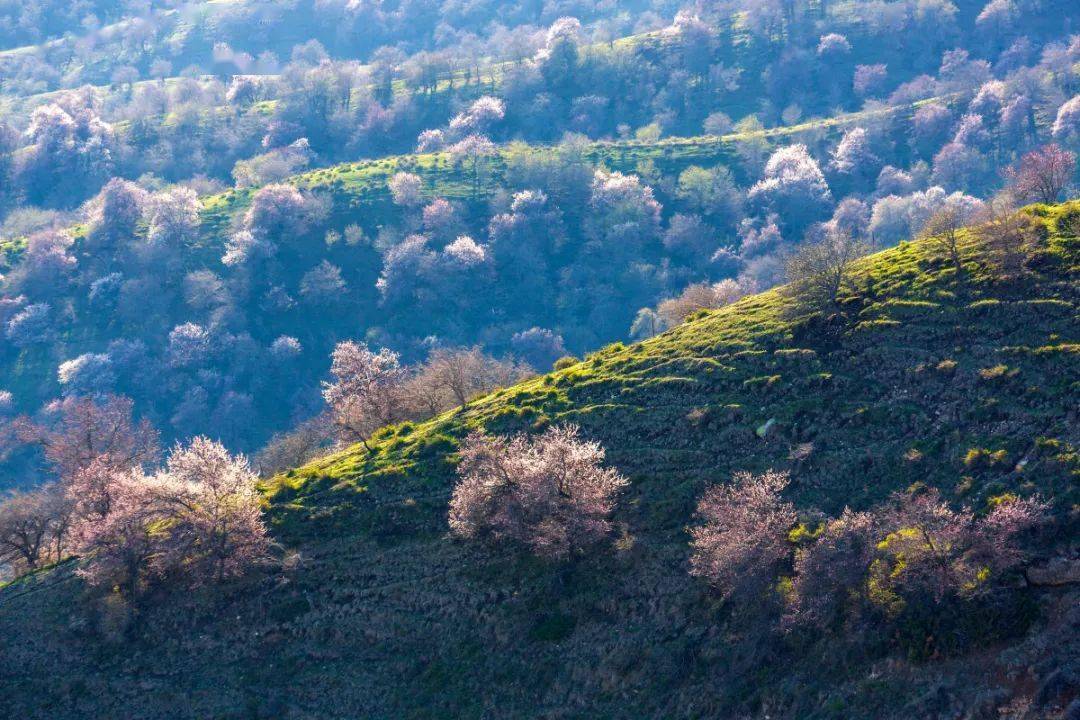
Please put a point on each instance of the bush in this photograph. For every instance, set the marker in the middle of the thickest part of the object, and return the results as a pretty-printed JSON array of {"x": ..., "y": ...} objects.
[{"x": 565, "y": 362}]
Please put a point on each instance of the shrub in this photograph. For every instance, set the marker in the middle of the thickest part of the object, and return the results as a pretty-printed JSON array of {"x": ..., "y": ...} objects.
[{"x": 565, "y": 362}]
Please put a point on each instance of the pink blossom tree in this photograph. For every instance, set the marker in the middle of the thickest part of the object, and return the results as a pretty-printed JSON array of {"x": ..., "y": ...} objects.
[
  {"x": 958, "y": 166},
  {"x": 87, "y": 374},
  {"x": 913, "y": 553},
  {"x": 86, "y": 430},
  {"x": 323, "y": 285},
  {"x": 742, "y": 537},
  {"x": 1042, "y": 174},
  {"x": 468, "y": 372},
  {"x": 820, "y": 270},
  {"x": 625, "y": 213},
  {"x": 997, "y": 542},
  {"x": 212, "y": 497},
  {"x": 931, "y": 552},
  {"x": 276, "y": 211},
  {"x": 198, "y": 520},
  {"x": 550, "y": 494},
  {"x": 540, "y": 347},
  {"x": 92, "y": 487},
  {"x": 943, "y": 231},
  {"x": 869, "y": 80},
  {"x": 441, "y": 221},
  {"x": 125, "y": 548},
  {"x": 189, "y": 345},
  {"x": 430, "y": 141},
  {"x": 31, "y": 325}
]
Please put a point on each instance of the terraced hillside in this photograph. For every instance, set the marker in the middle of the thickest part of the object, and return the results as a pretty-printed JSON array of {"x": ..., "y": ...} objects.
[{"x": 966, "y": 383}]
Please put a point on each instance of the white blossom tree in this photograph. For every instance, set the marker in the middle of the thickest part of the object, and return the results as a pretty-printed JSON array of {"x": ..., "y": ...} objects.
[
  {"x": 367, "y": 392},
  {"x": 406, "y": 189},
  {"x": 793, "y": 187}
]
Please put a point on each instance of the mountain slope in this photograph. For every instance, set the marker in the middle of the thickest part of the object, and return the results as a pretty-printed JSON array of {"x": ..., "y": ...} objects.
[
  {"x": 357, "y": 194},
  {"x": 359, "y": 191},
  {"x": 919, "y": 376},
  {"x": 892, "y": 371}
]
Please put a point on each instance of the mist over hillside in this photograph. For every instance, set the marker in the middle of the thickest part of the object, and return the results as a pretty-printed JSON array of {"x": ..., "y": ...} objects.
[{"x": 539, "y": 359}]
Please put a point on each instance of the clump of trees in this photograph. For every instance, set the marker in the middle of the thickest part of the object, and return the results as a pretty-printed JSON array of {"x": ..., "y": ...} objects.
[
  {"x": 550, "y": 494},
  {"x": 197, "y": 520},
  {"x": 373, "y": 389},
  {"x": 900, "y": 565}
]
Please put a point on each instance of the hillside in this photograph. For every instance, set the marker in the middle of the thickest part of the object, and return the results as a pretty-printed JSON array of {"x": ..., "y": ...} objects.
[
  {"x": 356, "y": 195},
  {"x": 888, "y": 375},
  {"x": 358, "y": 185},
  {"x": 966, "y": 384},
  {"x": 359, "y": 189}
]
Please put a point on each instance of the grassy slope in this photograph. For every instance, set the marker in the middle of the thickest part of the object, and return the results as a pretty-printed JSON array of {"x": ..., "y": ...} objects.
[
  {"x": 913, "y": 360},
  {"x": 380, "y": 615}
]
